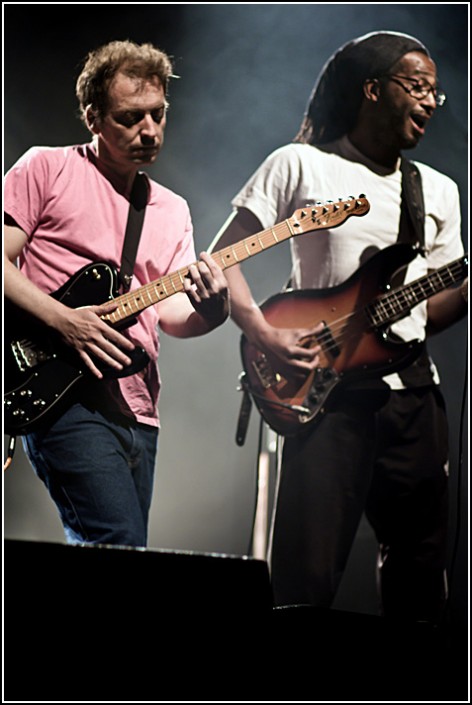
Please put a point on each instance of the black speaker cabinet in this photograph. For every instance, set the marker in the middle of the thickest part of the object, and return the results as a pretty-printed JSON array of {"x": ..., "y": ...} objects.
[
  {"x": 115, "y": 624},
  {"x": 111, "y": 623}
]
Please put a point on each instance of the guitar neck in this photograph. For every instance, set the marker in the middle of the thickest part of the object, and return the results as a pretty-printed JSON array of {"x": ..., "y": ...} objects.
[
  {"x": 314, "y": 217},
  {"x": 134, "y": 302},
  {"x": 397, "y": 303}
]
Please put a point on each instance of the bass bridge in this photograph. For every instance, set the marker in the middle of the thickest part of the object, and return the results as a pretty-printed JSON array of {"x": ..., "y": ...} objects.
[{"x": 265, "y": 373}]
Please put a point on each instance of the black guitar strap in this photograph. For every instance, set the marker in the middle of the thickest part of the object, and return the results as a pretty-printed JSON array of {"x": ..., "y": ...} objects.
[
  {"x": 411, "y": 231},
  {"x": 411, "y": 228},
  {"x": 137, "y": 208}
]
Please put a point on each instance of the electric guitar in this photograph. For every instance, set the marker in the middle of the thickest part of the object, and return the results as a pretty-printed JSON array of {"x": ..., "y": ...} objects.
[
  {"x": 40, "y": 371},
  {"x": 354, "y": 339}
]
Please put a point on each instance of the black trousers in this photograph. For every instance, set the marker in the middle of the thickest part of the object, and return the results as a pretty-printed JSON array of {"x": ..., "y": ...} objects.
[{"x": 390, "y": 462}]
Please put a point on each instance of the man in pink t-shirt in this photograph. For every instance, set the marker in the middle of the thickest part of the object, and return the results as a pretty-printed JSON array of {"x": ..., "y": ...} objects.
[{"x": 65, "y": 208}]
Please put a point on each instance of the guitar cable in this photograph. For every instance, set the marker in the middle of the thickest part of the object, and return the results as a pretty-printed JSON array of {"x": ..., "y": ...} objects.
[
  {"x": 245, "y": 387},
  {"x": 11, "y": 450}
]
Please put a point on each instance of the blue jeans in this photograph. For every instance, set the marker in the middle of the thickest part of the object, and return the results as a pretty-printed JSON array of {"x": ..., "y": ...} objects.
[{"x": 99, "y": 473}]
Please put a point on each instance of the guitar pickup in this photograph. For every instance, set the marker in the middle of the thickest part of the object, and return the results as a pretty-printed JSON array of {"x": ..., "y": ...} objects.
[
  {"x": 327, "y": 341},
  {"x": 27, "y": 355},
  {"x": 266, "y": 375}
]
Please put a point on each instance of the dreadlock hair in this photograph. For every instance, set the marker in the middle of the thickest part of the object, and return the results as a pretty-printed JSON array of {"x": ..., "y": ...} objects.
[{"x": 336, "y": 98}]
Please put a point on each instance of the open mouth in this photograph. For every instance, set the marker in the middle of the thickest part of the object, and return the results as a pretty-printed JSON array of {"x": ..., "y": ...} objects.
[{"x": 419, "y": 123}]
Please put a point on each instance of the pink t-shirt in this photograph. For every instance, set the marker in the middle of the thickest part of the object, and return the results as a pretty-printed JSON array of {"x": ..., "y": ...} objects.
[{"x": 73, "y": 215}]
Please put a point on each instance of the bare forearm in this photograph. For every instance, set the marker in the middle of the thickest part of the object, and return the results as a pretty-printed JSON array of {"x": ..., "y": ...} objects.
[
  {"x": 281, "y": 345},
  {"x": 446, "y": 308},
  {"x": 179, "y": 319},
  {"x": 203, "y": 307},
  {"x": 244, "y": 310},
  {"x": 188, "y": 323}
]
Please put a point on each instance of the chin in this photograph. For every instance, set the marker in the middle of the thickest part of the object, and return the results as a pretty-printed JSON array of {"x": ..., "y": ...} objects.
[
  {"x": 410, "y": 142},
  {"x": 144, "y": 160}
]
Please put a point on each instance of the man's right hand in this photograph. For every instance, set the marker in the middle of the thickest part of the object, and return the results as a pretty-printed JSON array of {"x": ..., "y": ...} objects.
[
  {"x": 291, "y": 351},
  {"x": 94, "y": 340}
]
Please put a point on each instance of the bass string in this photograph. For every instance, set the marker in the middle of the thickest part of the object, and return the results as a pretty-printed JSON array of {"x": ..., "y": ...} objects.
[{"x": 333, "y": 336}]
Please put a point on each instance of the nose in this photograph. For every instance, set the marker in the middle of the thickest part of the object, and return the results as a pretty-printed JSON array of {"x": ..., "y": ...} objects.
[
  {"x": 429, "y": 102},
  {"x": 148, "y": 130}
]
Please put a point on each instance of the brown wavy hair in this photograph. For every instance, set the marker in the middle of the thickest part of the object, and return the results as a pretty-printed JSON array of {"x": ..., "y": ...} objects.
[{"x": 101, "y": 65}]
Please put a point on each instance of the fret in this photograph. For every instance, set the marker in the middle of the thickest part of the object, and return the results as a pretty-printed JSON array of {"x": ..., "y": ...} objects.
[
  {"x": 157, "y": 293},
  {"x": 393, "y": 305},
  {"x": 166, "y": 293},
  {"x": 304, "y": 221},
  {"x": 261, "y": 243},
  {"x": 253, "y": 243},
  {"x": 133, "y": 304},
  {"x": 228, "y": 261},
  {"x": 292, "y": 232}
]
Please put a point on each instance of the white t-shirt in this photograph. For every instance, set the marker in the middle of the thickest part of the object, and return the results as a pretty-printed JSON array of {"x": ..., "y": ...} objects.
[{"x": 296, "y": 175}]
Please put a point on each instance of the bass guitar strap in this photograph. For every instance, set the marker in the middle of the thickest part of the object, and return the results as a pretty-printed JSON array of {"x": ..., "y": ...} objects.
[
  {"x": 411, "y": 228},
  {"x": 411, "y": 231}
]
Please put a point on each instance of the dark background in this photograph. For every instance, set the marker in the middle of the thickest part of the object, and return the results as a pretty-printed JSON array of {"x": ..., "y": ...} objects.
[{"x": 246, "y": 72}]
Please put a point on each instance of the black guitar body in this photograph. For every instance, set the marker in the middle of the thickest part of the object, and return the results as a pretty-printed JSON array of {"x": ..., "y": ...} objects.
[{"x": 39, "y": 370}]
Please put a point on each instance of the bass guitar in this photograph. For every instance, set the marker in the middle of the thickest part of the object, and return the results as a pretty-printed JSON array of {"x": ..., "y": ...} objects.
[
  {"x": 354, "y": 341},
  {"x": 40, "y": 371}
]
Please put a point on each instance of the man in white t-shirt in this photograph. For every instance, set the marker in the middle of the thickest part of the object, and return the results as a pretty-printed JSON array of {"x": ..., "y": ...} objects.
[{"x": 381, "y": 447}]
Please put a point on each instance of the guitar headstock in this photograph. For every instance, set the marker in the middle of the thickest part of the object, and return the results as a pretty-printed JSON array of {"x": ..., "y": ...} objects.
[{"x": 329, "y": 214}]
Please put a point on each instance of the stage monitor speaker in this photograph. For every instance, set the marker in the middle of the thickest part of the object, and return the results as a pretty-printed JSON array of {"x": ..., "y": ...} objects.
[
  {"x": 116, "y": 623},
  {"x": 152, "y": 580}
]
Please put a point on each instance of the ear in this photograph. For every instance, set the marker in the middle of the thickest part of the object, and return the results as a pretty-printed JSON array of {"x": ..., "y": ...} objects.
[
  {"x": 92, "y": 120},
  {"x": 371, "y": 89}
]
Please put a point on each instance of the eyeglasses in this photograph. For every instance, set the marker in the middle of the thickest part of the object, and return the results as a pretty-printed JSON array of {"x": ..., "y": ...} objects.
[{"x": 418, "y": 89}]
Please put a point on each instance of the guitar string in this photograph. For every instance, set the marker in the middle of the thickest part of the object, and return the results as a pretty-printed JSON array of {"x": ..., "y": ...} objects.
[
  {"x": 154, "y": 290},
  {"x": 394, "y": 296},
  {"x": 239, "y": 252},
  {"x": 326, "y": 338}
]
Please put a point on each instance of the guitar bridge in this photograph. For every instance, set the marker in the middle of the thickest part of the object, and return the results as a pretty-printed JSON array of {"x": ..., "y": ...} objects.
[
  {"x": 266, "y": 375},
  {"x": 27, "y": 354}
]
